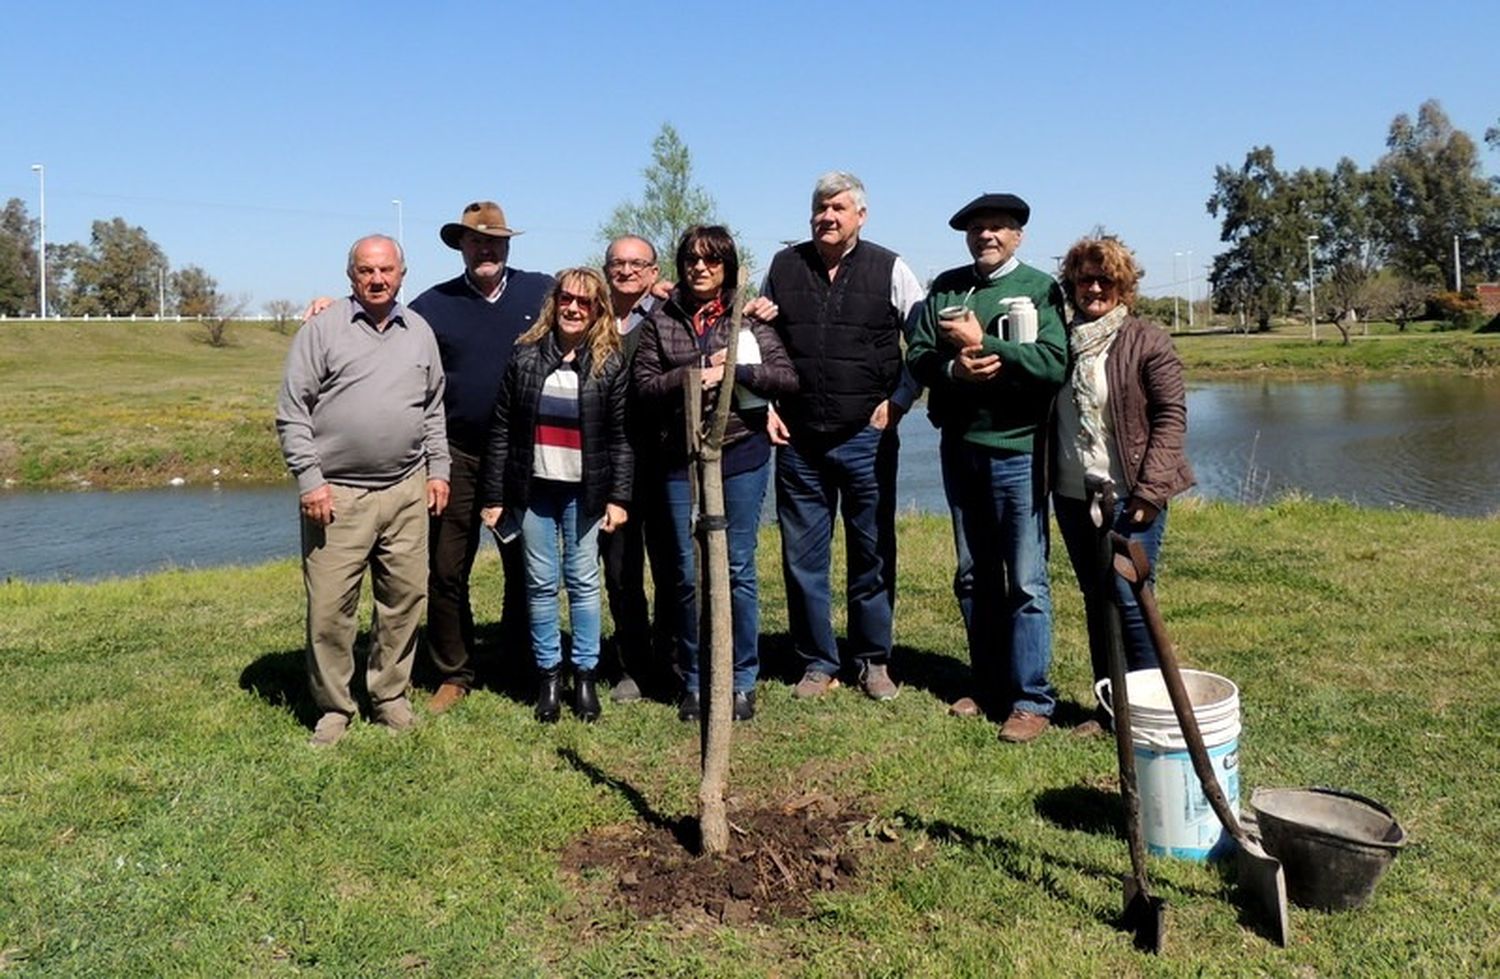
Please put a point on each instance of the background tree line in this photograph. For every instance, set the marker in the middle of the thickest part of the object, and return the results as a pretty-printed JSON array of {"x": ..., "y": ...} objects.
[
  {"x": 1382, "y": 239},
  {"x": 119, "y": 271}
]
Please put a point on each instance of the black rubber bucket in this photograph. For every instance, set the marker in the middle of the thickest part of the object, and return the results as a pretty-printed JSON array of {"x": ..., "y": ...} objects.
[{"x": 1334, "y": 846}]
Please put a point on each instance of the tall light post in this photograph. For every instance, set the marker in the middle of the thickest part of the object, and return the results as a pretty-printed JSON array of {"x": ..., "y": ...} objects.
[
  {"x": 1175, "y": 257},
  {"x": 1189, "y": 254},
  {"x": 400, "y": 240},
  {"x": 41, "y": 251},
  {"x": 1312, "y": 294}
]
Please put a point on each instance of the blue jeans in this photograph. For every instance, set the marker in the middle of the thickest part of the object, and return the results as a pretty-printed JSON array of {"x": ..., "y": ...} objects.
[
  {"x": 858, "y": 477},
  {"x": 743, "y": 494},
  {"x": 1004, "y": 517},
  {"x": 553, "y": 516},
  {"x": 1082, "y": 540},
  {"x": 963, "y": 563}
]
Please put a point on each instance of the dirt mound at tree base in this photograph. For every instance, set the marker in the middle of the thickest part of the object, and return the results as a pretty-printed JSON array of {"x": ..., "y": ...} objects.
[{"x": 778, "y": 857}]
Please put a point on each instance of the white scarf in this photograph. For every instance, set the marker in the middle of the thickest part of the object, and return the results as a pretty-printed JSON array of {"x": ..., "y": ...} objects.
[{"x": 1090, "y": 341}]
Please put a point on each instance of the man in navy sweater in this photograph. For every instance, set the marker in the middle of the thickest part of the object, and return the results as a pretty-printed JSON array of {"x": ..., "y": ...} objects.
[{"x": 476, "y": 318}]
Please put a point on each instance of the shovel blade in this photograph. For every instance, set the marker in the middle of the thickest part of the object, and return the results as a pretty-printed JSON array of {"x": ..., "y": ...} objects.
[
  {"x": 1145, "y": 916},
  {"x": 1262, "y": 879}
]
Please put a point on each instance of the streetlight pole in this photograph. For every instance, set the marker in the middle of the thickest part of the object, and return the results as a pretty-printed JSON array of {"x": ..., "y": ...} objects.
[
  {"x": 400, "y": 240},
  {"x": 41, "y": 251},
  {"x": 1190, "y": 288},
  {"x": 1175, "y": 256},
  {"x": 1312, "y": 295}
]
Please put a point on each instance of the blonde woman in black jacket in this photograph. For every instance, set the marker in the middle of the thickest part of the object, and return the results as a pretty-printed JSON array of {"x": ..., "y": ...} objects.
[{"x": 559, "y": 467}]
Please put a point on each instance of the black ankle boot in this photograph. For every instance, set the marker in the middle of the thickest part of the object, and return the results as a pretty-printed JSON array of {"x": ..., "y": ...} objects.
[
  {"x": 549, "y": 695},
  {"x": 585, "y": 697}
]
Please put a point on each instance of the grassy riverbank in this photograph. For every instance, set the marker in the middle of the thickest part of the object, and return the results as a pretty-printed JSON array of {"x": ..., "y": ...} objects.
[
  {"x": 1289, "y": 351},
  {"x": 161, "y": 814},
  {"x": 119, "y": 405}
]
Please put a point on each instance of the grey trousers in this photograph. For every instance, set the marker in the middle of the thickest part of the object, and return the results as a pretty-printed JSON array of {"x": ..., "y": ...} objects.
[{"x": 385, "y": 530}]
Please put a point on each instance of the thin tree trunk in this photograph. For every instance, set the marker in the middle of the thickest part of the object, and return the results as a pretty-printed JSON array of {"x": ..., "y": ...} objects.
[{"x": 715, "y": 622}]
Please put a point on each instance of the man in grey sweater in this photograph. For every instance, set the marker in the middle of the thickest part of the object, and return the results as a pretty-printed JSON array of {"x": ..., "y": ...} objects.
[{"x": 360, "y": 418}]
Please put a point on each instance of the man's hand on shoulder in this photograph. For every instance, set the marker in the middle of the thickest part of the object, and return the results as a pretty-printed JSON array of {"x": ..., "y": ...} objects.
[
  {"x": 315, "y": 307},
  {"x": 762, "y": 309}
]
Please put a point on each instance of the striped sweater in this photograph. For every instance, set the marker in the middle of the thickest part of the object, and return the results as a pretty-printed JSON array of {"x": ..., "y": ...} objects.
[{"x": 559, "y": 436}]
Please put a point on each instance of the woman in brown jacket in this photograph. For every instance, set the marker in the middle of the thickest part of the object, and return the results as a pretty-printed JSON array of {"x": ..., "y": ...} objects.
[{"x": 1120, "y": 425}]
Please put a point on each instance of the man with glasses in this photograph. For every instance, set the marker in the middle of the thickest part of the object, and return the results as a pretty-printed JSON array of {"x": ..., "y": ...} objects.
[
  {"x": 476, "y": 317},
  {"x": 631, "y": 269},
  {"x": 989, "y": 390}
]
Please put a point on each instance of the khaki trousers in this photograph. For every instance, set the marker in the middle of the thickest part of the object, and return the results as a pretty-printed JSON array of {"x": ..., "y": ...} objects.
[{"x": 385, "y": 529}]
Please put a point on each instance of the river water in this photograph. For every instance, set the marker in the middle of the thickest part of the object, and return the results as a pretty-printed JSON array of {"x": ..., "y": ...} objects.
[{"x": 1426, "y": 443}]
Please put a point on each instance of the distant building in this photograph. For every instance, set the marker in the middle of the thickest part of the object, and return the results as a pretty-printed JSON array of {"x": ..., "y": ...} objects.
[{"x": 1489, "y": 298}]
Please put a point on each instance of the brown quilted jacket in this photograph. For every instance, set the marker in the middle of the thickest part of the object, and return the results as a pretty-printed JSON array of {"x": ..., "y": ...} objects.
[{"x": 1148, "y": 413}]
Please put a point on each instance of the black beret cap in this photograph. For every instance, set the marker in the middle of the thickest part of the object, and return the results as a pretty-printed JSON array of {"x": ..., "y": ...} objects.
[{"x": 1008, "y": 203}]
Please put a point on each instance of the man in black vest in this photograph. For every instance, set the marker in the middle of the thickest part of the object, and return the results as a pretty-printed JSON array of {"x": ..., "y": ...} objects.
[{"x": 844, "y": 304}]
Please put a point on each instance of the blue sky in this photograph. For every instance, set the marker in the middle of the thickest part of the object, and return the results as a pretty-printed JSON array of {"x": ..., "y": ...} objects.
[{"x": 258, "y": 139}]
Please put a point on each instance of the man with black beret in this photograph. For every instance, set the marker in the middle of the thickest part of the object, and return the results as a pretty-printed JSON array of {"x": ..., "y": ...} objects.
[{"x": 991, "y": 349}]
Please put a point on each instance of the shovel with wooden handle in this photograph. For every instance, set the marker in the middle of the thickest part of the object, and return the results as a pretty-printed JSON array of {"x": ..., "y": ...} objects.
[
  {"x": 1260, "y": 873},
  {"x": 1144, "y": 914}
]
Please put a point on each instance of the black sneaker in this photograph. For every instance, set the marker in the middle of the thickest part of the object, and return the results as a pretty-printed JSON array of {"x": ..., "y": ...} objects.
[
  {"x": 744, "y": 705},
  {"x": 687, "y": 707}
]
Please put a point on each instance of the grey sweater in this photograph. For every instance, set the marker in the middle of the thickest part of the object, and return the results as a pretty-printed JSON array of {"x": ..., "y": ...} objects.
[{"x": 361, "y": 407}]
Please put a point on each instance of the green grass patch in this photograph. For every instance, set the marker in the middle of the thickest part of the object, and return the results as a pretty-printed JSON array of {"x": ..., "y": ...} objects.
[
  {"x": 1289, "y": 350},
  {"x": 161, "y": 814},
  {"x": 137, "y": 404}
]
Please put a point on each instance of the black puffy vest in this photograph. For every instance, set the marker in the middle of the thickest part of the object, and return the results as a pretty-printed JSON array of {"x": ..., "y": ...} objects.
[{"x": 844, "y": 336}]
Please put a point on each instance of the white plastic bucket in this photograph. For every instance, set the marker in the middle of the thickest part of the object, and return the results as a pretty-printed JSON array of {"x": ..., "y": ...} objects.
[{"x": 1178, "y": 820}]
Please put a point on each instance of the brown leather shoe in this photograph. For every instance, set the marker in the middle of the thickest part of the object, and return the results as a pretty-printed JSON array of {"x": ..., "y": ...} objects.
[
  {"x": 965, "y": 707},
  {"x": 1089, "y": 729},
  {"x": 1023, "y": 726},
  {"x": 875, "y": 680},
  {"x": 814, "y": 683},
  {"x": 330, "y": 728},
  {"x": 396, "y": 715},
  {"x": 447, "y": 696}
]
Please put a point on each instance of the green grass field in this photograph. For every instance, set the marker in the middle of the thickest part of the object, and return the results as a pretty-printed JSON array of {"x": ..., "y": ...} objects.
[
  {"x": 136, "y": 404},
  {"x": 120, "y": 405},
  {"x": 161, "y": 813}
]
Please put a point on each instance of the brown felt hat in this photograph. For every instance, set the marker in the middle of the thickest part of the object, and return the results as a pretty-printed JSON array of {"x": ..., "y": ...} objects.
[{"x": 485, "y": 217}]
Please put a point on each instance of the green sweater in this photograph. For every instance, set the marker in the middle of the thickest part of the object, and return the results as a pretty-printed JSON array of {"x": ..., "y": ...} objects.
[{"x": 1006, "y": 412}]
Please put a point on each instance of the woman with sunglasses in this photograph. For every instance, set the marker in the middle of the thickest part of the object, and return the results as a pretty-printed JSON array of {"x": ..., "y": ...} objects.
[
  {"x": 1120, "y": 421},
  {"x": 691, "y": 329},
  {"x": 559, "y": 467}
]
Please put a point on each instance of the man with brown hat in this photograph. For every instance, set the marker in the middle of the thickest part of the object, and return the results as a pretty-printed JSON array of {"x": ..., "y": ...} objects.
[{"x": 476, "y": 317}]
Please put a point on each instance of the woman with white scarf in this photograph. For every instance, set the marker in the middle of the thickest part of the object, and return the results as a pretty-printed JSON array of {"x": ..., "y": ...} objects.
[{"x": 1118, "y": 436}]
